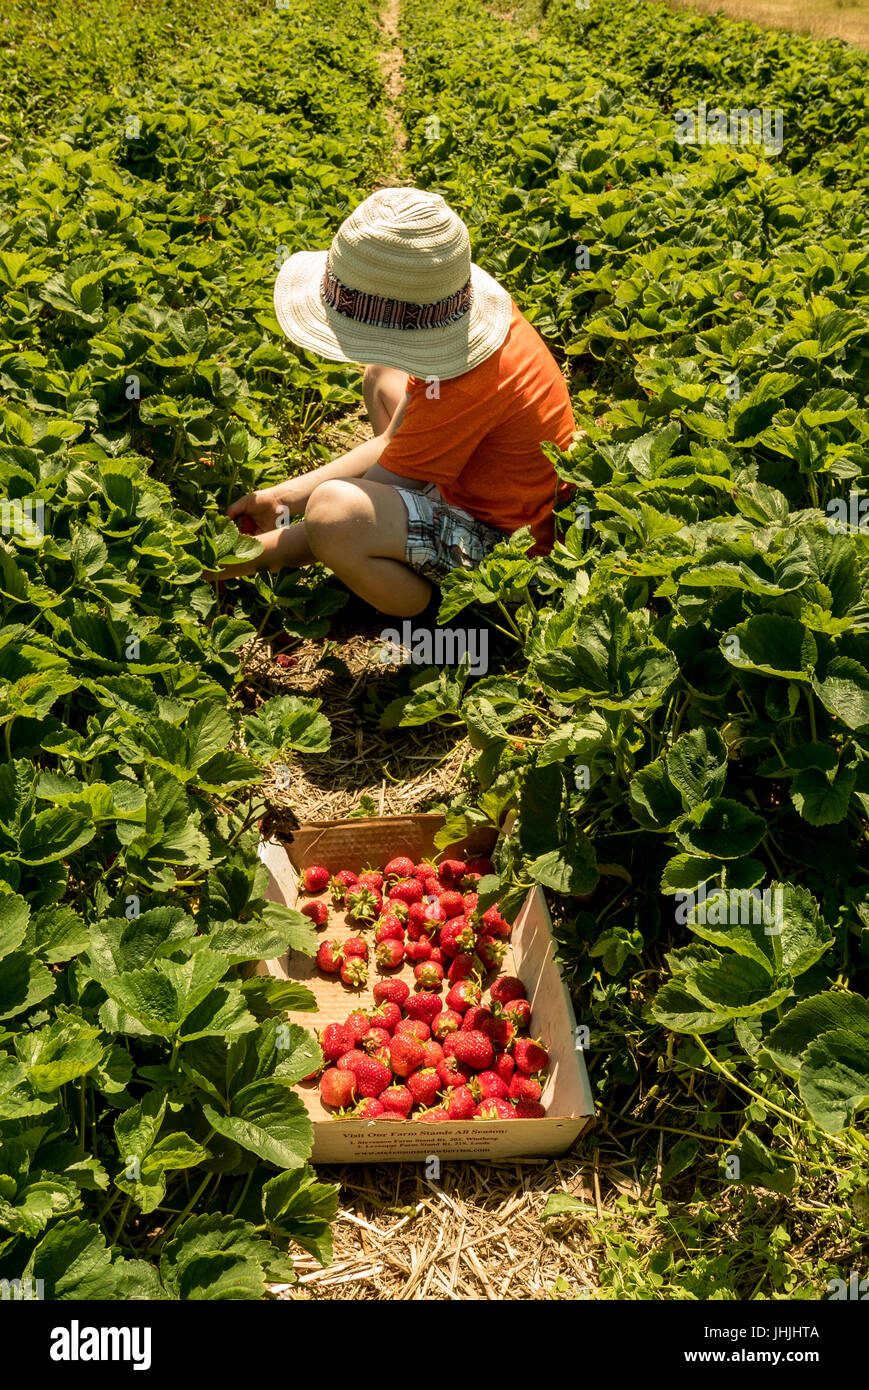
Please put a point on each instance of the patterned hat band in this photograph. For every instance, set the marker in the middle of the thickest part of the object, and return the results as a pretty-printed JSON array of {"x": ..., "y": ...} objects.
[{"x": 379, "y": 312}]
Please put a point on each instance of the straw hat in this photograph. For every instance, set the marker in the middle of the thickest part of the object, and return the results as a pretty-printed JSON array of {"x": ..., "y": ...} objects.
[{"x": 396, "y": 287}]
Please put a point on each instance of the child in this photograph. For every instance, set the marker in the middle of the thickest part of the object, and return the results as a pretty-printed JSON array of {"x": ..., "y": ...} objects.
[{"x": 460, "y": 390}]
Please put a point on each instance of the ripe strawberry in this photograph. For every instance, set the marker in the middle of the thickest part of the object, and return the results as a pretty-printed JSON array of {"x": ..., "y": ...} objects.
[
  {"x": 501, "y": 1031},
  {"x": 463, "y": 995},
  {"x": 376, "y": 1038},
  {"x": 413, "y": 1028},
  {"x": 405, "y": 1054},
  {"x": 246, "y": 525},
  {"x": 370, "y": 1109},
  {"x": 388, "y": 929},
  {"x": 447, "y": 1021},
  {"x": 372, "y": 1076},
  {"x": 397, "y": 1099},
  {"x": 407, "y": 890},
  {"x": 362, "y": 904},
  {"x": 494, "y": 923},
  {"x": 329, "y": 957},
  {"x": 438, "y": 957},
  {"x": 371, "y": 878},
  {"x": 418, "y": 950},
  {"x": 400, "y": 867},
  {"x": 317, "y": 911},
  {"x": 432, "y": 886},
  {"x": 335, "y": 1040},
  {"x": 476, "y": 1016},
  {"x": 358, "y": 1023},
  {"x": 481, "y": 866},
  {"x": 451, "y": 871},
  {"x": 399, "y": 910},
  {"x": 337, "y": 1087},
  {"x": 423, "y": 1085},
  {"x": 429, "y": 976},
  {"x": 528, "y": 1110},
  {"x": 519, "y": 1012},
  {"x": 355, "y": 946},
  {"x": 433, "y": 1053},
  {"x": 457, "y": 937},
  {"x": 530, "y": 1055},
  {"x": 508, "y": 988},
  {"x": 424, "y": 1006},
  {"x": 437, "y": 1114},
  {"x": 490, "y": 951},
  {"x": 395, "y": 991},
  {"x": 451, "y": 903},
  {"x": 460, "y": 1103},
  {"x": 389, "y": 955},
  {"x": 416, "y": 920},
  {"x": 474, "y": 1049},
  {"x": 469, "y": 902},
  {"x": 354, "y": 972},
  {"x": 424, "y": 870},
  {"x": 504, "y": 1066},
  {"x": 316, "y": 878},
  {"x": 462, "y": 967},
  {"x": 387, "y": 1015},
  {"x": 489, "y": 1084},
  {"x": 494, "y": 1109},
  {"x": 452, "y": 1073},
  {"x": 339, "y": 883},
  {"x": 525, "y": 1087}
]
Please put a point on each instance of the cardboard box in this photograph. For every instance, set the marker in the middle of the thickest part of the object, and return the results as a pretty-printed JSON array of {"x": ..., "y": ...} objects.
[{"x": 353, "y": 844}]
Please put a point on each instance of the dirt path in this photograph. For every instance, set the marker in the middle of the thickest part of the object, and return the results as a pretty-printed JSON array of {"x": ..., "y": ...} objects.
[{"x": 391, "y": 60}]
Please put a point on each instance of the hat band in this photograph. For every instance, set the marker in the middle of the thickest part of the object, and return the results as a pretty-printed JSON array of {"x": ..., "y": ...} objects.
[{"x": 379, "y": 312}]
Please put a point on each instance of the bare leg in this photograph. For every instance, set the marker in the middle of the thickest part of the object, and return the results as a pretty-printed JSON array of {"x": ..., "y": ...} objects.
[
  {"x": 383, "y": 389},
  {"x": 358, "y": 530}
]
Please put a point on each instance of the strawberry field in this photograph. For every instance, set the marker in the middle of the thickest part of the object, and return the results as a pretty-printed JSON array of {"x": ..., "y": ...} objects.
[{"x": 673, "y": 730}]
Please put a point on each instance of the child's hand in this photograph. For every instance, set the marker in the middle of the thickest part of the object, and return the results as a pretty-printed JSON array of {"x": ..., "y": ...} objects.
[{"x": 267, "y": 509}]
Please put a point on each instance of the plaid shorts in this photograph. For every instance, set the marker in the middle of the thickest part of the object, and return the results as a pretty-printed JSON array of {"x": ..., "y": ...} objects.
[{"x": 441, "y": 538}]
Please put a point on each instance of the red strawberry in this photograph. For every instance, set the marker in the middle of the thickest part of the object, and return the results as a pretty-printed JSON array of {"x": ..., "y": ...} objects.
[
  {"x": 388, "y": 929},
  {"x": 474, "y": 1049},
  {"x": 316, "y": 878},
  {"x": 480, "y": 866},
  {"x": 317, "y": 911},
  {"x": 476, "y": 1016},
  {"x": 363, "y": 904},
  {"x": 469, "y": 902},
  {"x": 405, "y": 1054},
  {"x": 433, "y": 1053},
  {"x": 370, "y": 1109},
  {"x": 432, "y": 886},
  {"x": 507, "y": 989},
  {"x": 424, "y": 870},
  {"x": 414, "y": 1028},
  {"x": 452, "y": 1073},
  {"x": 469, "y": 884},
  {"x": 525, "y": 1087},
  {"x": 358, "y": 1023},
  {"x": 401, "y": 867},
  {"x": 335, "y": 1040},
  {"x": 339, "y": 883},
  {"x": 460, "y": 1103},
  {"x": 429, "y": 976},
  {"x": 451, "y": 871},
  {"x": 504, "y": 1066},
  {"x": 337, "y": 1087},
  {"x": 462, "y": 967},
  {"x": 246, "y": 525},
  {"x": 424, "y": 1006},
  {"x": 457, "y": 937},
  {"x": 501, "y": 1031},
  {"x": 407, "y": 890},
  {"x": 494, "y": 1109},
  {"x": 451, "y": 903},
  {"x": 372, "y": 1076},
  {"x": 530, "y": 1056},
  {"x": 447, "y": 1021},
  {"x": 397, "y": 1099},
  {"x": 416, "y": 920},
  {"x": 528, "y": 1110},
  {"x": 418, "y": 950},
  {"x": 490, "y": 951},
  {"x": 371, "y": 878},
  {"x": 329, "y": 957},
  {"x": 488, "y": 1084},
  {"x": 376, "y": 1038},
  {"x": 349, "y": 1061},
  {"x": 355, "y": 946},
  {"x": 424, "y": 1085},
  {"x": 437, "y": 1114},
  {"x": 387, "y": 1015},
  {"x": 494, "y": 923},
  {"x": 354, "y": 972},
  {"x": 389, "y": 955},
  {"x": 395, "y": 991},
  {"x": 399, "y": 910},
  {"x": 519, "y": 1012},
  {"x": 463, "y": 994}
]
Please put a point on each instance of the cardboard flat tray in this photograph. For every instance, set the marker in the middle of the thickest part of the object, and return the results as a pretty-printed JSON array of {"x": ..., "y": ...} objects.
[{"x": 353, "y": 844}]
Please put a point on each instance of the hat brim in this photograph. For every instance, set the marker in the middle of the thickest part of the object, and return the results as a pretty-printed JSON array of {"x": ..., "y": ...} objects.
[{"x": 439, "y": 352}]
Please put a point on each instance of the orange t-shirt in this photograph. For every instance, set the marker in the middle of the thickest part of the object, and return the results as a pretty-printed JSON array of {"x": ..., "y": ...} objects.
[{"x": 479, "y": 440}]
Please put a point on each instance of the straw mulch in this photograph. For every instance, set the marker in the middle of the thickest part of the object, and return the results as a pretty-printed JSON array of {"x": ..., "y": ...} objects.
[{"x": 475, "y": 1233}]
